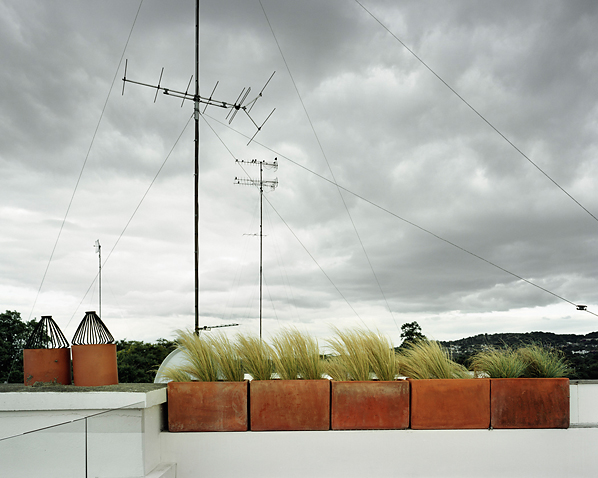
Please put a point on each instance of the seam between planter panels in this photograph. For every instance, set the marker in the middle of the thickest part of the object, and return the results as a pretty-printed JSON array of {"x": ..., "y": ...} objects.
[
  {"x": 330, "y": 407},
  {"x": 248, "y": 405},
  {"x": 490, "y": 403}
]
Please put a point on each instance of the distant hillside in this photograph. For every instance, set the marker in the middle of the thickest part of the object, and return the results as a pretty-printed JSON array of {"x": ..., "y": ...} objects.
[
  {"x": 565, "y": 342},
  {"x": 580, "y": 350}
]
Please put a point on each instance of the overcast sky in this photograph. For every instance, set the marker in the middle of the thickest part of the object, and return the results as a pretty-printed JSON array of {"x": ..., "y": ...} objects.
[{"x": 353, "y": 104}]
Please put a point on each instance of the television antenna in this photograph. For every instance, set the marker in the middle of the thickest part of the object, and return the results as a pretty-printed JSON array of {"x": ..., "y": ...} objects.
[
  {"x": 98, "y": 248},
  {"x": 260, "y": 183},
  {"x": 240, "y": 104}
]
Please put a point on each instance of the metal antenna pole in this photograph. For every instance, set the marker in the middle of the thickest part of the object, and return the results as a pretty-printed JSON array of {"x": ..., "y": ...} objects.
[
  {"x": 260, "y": 183},
  {"x": 261, "y": 239},
  {"x": 241, "y": 104},
  {"x": 196, "y": 115},
  {"x": 99, "y": 251}
]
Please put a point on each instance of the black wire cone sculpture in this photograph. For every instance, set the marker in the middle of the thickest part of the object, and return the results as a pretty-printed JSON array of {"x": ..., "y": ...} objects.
[
  {"x": 47, "y": 335},
  {"x": 92, "y": 331}
]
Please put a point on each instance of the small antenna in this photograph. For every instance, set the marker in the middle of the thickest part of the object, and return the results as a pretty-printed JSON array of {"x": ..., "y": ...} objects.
[
  {"x": 98, "y": 248},
  {"x": 272, "y": 185}
]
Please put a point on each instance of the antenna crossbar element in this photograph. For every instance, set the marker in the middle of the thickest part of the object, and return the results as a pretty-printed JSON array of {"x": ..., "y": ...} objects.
[
  {"x": 272, "y": 185},
  {"x": 235, "y": 107},
  {"x": 210, "y": 327}
]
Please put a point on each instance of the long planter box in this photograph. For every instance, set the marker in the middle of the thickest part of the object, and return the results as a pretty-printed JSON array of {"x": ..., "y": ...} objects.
[
  {"x": 370, "y": 405},
  {"x": 207, "y": 406},
  {"x": 530, "y": 402},
  {"x": 47, "y": 365},
  {"x": 289, "y": 405},
  {"x": 444, "y": 404}
]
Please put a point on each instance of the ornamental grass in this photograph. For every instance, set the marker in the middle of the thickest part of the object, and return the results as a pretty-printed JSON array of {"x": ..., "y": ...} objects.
[
  {"x": 350, "y": 358},
  {"x": 296, "y": 355},
  {"x": 498, "y": 363},
  {"x": 381, "y": 355},
  {"x": 543, "y": 362},
  {"x": 228, "y": 361},
  {"x": 256, "y": 357},
  {"x": 530, "y": 361},
  {"x": 361, "y": 355},
  {"x": 200, "y": 361},
  {"x": 425, "y": 359}
]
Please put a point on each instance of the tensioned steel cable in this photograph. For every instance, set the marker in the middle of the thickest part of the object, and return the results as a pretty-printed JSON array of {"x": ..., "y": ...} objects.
[
  {"x": 329, "y": 168},
  {"x": 423, "y": 229},
  {"x": 286, "y": 224},
  {"x": 133, "y": 215},
  {"x": 85, "y": 161},
  {"x": 476, "y": 111}
]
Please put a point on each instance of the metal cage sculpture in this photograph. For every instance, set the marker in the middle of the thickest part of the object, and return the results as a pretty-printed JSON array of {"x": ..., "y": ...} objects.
[
  {"x": 47, "y": 335},
  {"x": 92, "y": 331}
]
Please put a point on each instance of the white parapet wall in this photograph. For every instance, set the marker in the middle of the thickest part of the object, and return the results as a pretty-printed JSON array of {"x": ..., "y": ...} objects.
[
  {"x": 584, "y": 403},
  {"x": 409, "y": 453},
  {"x": 392, "y": 453},
  {"x": 112, "y": 434}
]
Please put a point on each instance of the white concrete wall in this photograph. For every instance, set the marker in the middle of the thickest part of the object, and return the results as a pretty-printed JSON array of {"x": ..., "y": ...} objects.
[
  {"x": 584, "y": 403},
  {"x": 111, "y": 443},
  {"x": 412, "y": 453},
  {"x": 392, "y": 453}
]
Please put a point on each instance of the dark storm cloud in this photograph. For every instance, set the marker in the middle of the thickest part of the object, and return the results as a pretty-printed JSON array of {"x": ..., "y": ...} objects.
[{"x": 390, "y": 131}]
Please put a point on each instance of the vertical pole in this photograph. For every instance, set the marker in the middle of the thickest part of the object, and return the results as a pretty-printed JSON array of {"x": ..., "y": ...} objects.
[
  {"x": 99, "y": 251},
  {"x": 100, "y": 275},
  {"x": 196, "y": 116},
  {"x": 261, "y": 237},
  {"x": 85, "y": 447}
]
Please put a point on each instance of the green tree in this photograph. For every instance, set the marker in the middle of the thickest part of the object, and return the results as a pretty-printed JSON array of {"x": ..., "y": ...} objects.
[
  {"x": 14, "y": 332},
  {"x": 411, "y": 332},
  {"x": 139, "y": 361}
]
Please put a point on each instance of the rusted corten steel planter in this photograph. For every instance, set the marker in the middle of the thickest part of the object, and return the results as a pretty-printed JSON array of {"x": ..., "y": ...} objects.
[
  {"x": 94, "y": 353},
  {"x": 289, "y": 405},
  {"x": 207, "y": 406},
  {"x": 46, "y": 356},
  {"x": 370, "y": 405},
  {"x": 94, "y": 365},
  {"x": 47, "y": 365},
  {"x": 529, "y": 402},
  {"x": 445, "y": 404}
]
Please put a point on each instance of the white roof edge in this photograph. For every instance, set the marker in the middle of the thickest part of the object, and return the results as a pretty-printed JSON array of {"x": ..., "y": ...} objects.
[{"x": 22, "y": 401}]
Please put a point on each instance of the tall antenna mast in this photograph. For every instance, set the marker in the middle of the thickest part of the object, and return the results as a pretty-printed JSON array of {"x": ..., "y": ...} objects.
[
  {"x": 260, "y": 184},
  {"x": 196, "y": 182},
  {"x": 239, "y": 105},
  {"x": 99, "y": 251}
]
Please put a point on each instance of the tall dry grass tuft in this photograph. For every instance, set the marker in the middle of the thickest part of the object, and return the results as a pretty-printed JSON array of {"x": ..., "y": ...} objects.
[
  {"x": 381, "y": 355},
  {"x": 428, "y": 359},
  {"x": 200, "y": 359},
  {"x": 498, "y": 363},
  {"x": 351, "y": 354},
  {"x": 285, "y": 360},
  {"x": 543, "y": 362},
  {"x": 334, "y": 367},
  {"x": 230, "y": 367},
  {"x": 256, "y": 357},
  {"x": 297, "y": 355}
]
